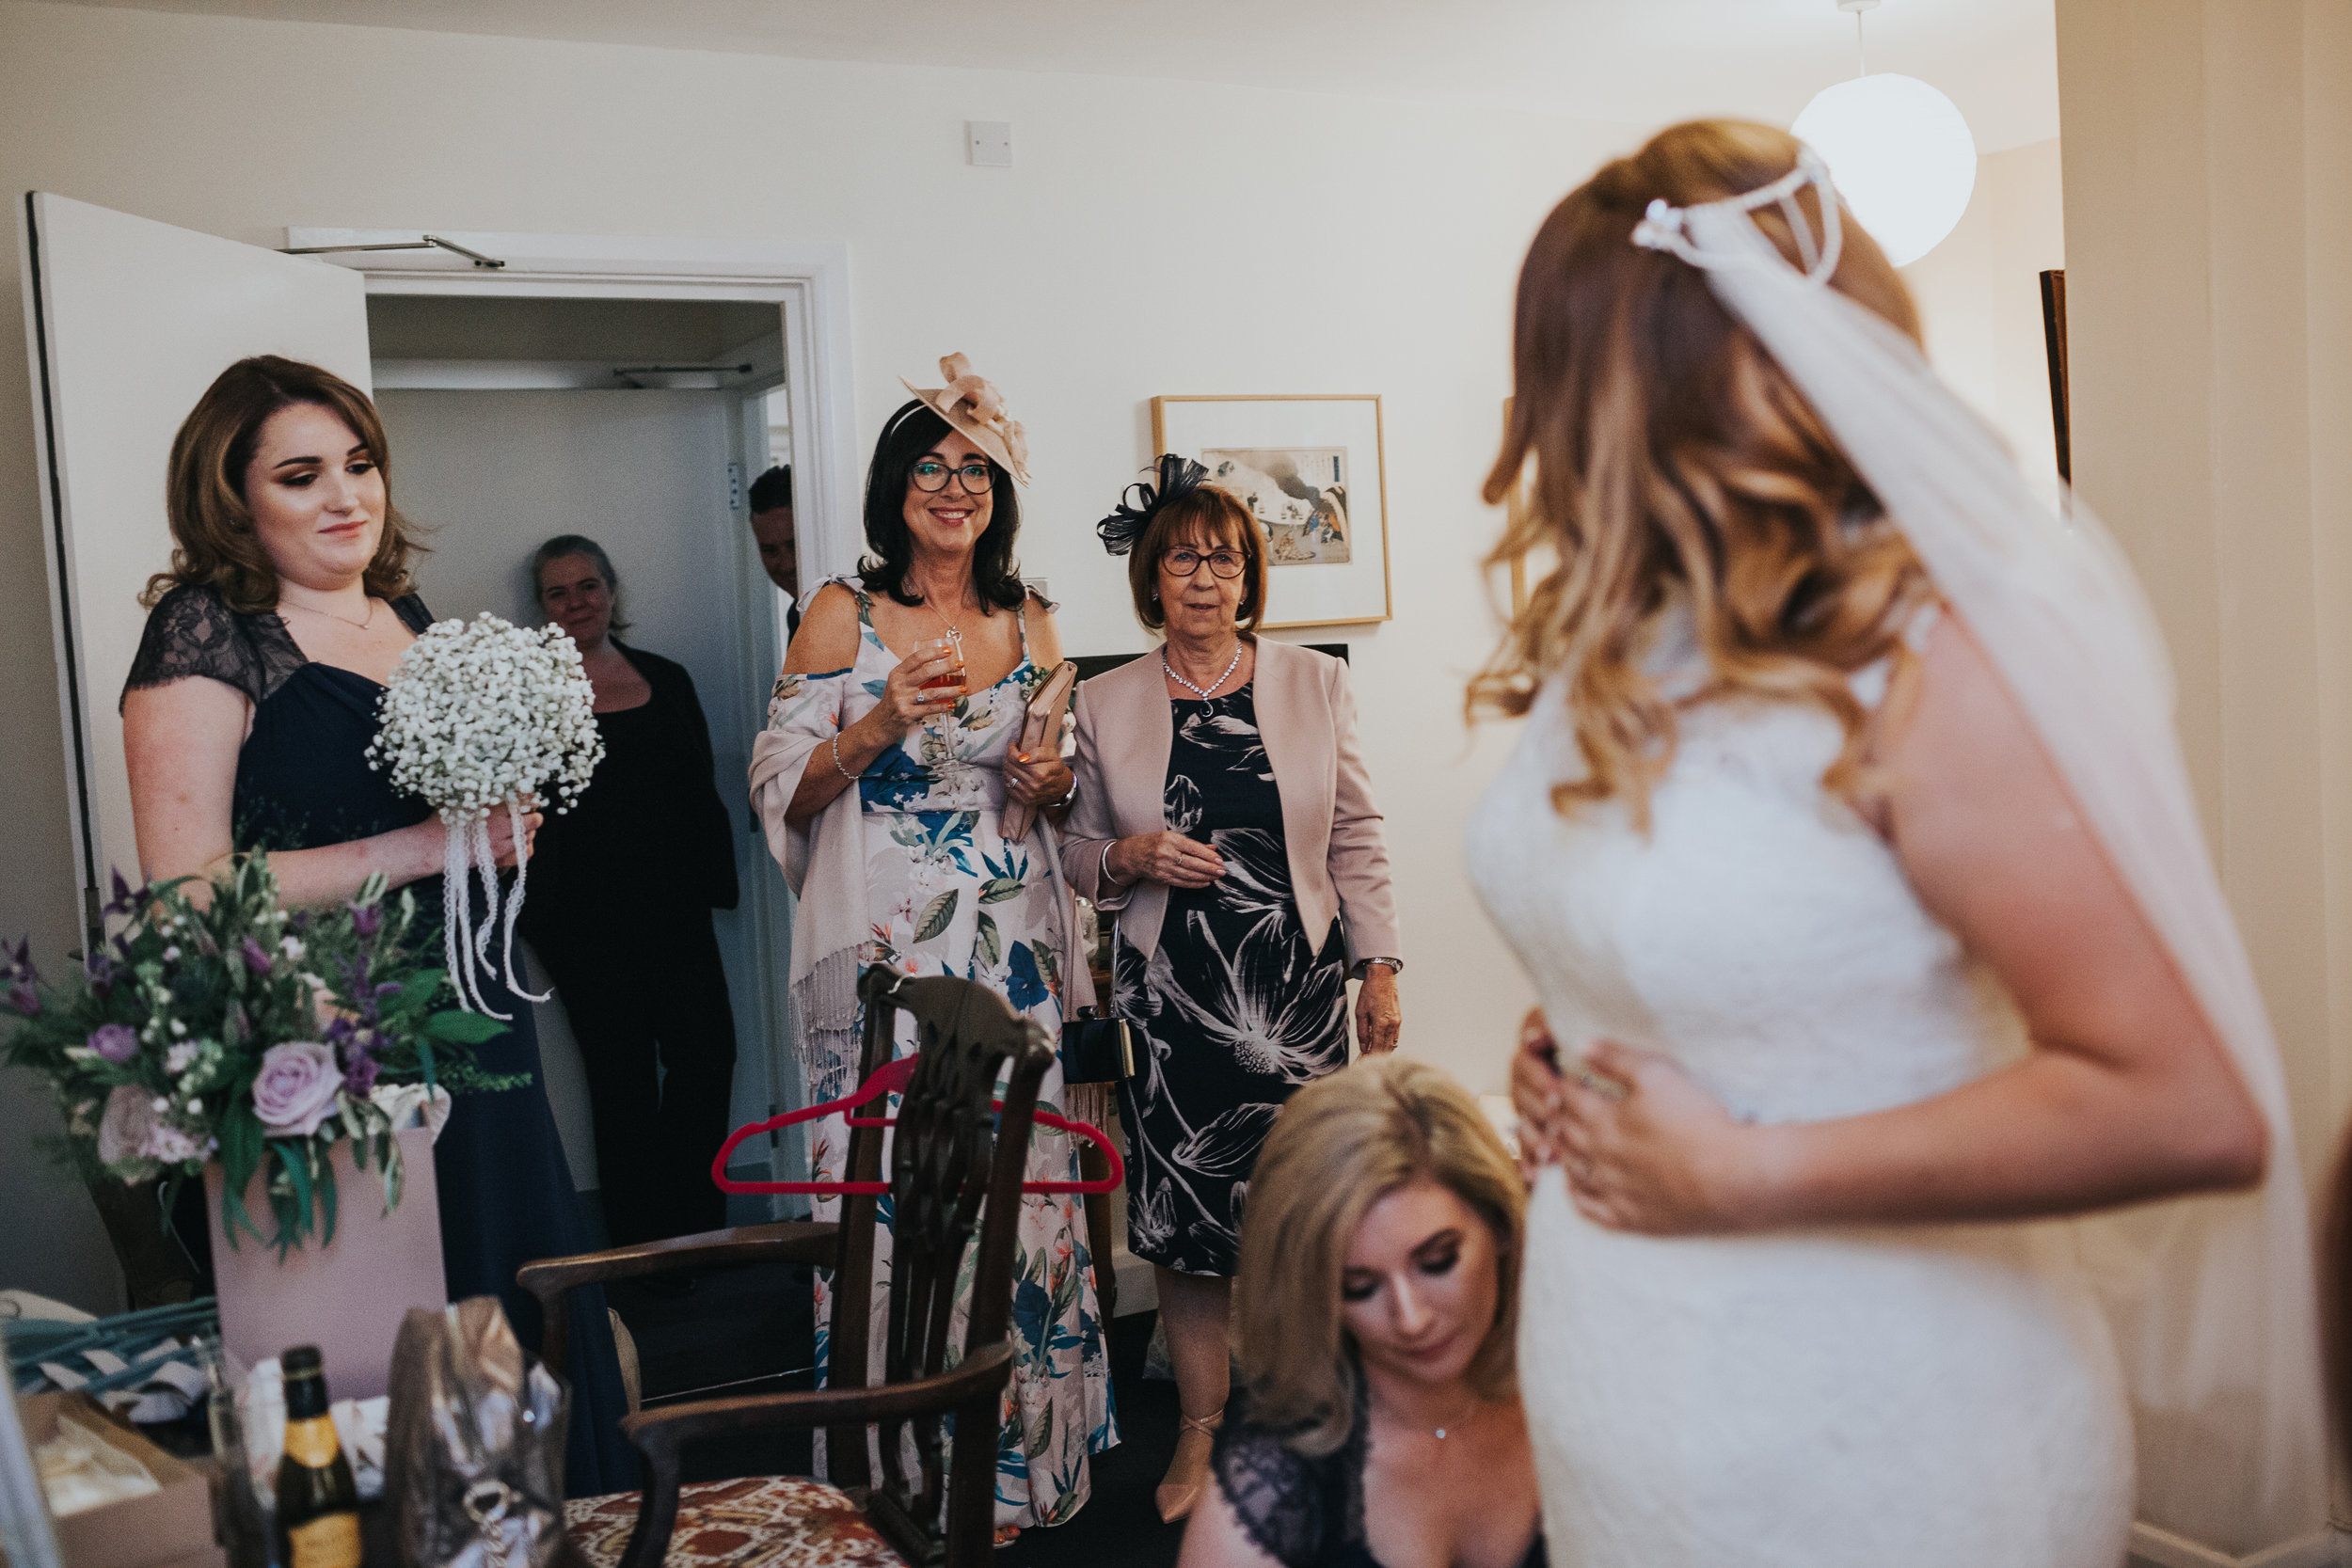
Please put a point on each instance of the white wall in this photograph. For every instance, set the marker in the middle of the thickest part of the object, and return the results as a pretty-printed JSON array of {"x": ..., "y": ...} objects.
[
  {"x": 2207, "y": 150},
  {"x": 1980, "y": 297},
  {"x": 1156, "y": 237}
]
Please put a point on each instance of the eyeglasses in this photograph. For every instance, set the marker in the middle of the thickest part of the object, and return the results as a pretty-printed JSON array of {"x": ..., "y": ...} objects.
[
  {"x": 1184, "y": 563},
  {"x": 930, "y": 476}
]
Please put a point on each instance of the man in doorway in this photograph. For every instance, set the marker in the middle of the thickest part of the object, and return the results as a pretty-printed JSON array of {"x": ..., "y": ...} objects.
[{"x": 779, "y": 554}]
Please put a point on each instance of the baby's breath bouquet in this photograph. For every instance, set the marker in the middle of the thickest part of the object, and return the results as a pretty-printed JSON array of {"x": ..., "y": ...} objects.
[
  {"x": 236, "y": 1029},
  {"x": 480, "y": 715}
]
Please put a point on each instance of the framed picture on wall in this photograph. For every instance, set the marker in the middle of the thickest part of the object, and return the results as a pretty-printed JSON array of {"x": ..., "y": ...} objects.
[{"x": 1310, "y": 469}]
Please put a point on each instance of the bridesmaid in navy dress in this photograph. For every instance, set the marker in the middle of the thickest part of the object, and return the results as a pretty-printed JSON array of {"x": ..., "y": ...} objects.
[{"x": 245, "y": 722}]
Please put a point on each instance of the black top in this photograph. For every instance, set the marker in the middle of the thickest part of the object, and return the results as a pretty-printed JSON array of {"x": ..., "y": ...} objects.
[
  {"x": 303, "y": 782},
  {"x": 651, "y": 837},
  {"x": 295, "y": 790},
  {"x": 1304, "y": 1512}
]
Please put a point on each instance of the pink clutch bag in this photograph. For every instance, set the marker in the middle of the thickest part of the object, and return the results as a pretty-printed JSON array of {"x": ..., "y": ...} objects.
[{"x": 1045, "y": 716}]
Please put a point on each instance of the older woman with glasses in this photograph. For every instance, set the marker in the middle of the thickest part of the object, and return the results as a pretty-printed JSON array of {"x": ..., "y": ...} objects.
[{"x": 1224, "y": 818}]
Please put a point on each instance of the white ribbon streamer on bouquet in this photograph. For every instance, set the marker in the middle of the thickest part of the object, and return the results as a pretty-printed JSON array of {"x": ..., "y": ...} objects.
[{"x": 466, "y": 945}]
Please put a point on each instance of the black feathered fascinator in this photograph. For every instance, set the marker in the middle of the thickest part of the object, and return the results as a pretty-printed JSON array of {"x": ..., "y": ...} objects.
[{"x": 1178, "y": 476}]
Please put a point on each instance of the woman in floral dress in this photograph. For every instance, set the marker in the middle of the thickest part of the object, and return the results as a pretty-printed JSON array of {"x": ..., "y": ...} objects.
[{"x": 884, "y": 803}]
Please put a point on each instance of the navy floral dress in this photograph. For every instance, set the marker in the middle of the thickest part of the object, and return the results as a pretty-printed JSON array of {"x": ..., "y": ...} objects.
[{"x": 1239, "y": 1007}]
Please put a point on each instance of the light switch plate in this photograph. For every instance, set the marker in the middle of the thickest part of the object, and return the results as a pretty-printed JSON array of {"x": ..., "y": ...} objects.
[{"x": 989, "y": 142}]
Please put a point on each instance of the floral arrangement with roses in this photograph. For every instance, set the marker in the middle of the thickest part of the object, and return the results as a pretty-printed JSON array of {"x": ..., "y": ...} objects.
[{"x": 232, "y": 1028}]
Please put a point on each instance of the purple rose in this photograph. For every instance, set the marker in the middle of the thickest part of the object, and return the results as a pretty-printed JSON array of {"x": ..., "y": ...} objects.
[
  {"x": 296, "y": 1090},
  {"x": 116, "y": 1042},
  {"x": 129, "y": 1121},
  {"x": 256, "y": 956},
  {"x": 365, "y": 919},
  {"x": 25, "y": 999}
]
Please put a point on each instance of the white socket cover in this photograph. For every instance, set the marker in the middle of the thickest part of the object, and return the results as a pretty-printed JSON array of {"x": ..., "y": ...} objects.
[{"x": 990, "y": 142}]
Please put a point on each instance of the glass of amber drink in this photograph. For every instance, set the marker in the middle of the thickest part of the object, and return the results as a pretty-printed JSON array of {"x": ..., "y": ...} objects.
[{"x": 947, "y": 682}]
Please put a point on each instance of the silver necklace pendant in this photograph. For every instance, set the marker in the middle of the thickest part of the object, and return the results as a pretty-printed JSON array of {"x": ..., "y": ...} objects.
[{"x": 1203, "y": 691}]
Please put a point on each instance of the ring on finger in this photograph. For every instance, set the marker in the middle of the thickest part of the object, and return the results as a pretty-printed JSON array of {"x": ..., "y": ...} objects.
[{"x": 1608, "y": 1088}]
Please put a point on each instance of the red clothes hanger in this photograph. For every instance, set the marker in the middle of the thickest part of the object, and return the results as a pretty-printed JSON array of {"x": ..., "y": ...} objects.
[{"x": 893, "y": 1079}]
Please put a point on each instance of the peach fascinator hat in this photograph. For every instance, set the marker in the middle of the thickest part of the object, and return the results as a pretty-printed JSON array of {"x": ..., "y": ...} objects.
[{"x": 973, "y": 405}]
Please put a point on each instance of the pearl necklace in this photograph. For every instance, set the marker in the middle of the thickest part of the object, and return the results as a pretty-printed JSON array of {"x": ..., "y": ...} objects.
[{"x": 1203, "y": 691}]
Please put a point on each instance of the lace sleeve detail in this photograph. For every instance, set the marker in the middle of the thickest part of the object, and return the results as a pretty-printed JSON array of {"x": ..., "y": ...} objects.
[
  {"x": 1276, "y": 1493},
  {"x": 191, "y": 632}
]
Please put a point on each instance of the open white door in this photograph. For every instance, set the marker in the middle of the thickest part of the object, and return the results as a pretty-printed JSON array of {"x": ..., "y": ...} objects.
[{"x": 127, "y": 322}]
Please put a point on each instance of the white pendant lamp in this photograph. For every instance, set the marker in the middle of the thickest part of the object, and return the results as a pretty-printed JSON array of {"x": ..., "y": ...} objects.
[{"x": 1900, "y": 151}]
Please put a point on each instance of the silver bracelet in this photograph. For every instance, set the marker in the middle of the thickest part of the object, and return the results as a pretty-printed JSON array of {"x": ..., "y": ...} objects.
[
  {"x": 1394, "y": 966},
  {"x": 1102, "y": 872},
  {"x": 836, "y": 759}
]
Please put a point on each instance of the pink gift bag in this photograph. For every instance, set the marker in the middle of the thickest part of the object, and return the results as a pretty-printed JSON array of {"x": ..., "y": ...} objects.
[{"x": 348, "y": 1297}]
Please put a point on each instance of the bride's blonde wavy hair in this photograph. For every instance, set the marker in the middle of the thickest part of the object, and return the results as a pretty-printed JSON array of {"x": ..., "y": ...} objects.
[{"x": 1659, "y": 450}]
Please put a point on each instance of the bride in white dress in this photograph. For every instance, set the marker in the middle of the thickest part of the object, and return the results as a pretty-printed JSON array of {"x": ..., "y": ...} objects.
[{"x": 1850, "y": 852}]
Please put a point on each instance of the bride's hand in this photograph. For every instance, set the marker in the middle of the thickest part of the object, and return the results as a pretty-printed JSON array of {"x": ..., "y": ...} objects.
[
  {"x": 1537, "y": 1094},
  {"x": 1649, "y": 1149}
]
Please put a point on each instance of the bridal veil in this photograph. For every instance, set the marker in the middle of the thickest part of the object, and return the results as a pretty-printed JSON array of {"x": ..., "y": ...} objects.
[{"x": 2210, "y": 1299}]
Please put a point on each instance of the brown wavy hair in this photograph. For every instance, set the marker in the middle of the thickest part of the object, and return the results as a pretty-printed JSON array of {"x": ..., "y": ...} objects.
[
  {"x": 211, "y": 528},
  {"x": 1657, "y": 448},
  {"x": 1340, "y": 1145}
]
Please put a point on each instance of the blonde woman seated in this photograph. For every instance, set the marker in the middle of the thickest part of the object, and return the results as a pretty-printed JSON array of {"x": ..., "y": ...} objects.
[{"x": 1377, "y": 1424}]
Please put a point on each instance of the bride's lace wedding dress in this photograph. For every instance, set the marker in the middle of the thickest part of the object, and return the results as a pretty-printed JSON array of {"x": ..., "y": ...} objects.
[{"x": 1890, "y": 1397}]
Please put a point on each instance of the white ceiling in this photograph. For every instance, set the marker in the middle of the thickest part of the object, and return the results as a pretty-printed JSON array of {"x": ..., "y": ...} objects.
[{"x": 1635, "y": 62}]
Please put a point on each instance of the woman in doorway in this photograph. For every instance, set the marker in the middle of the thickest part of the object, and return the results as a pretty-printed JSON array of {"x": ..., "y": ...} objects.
[
  {"x": 1379, "y": 1417},
  {"x": 882, "y": 779},
  {"x": 1226, "y": 821},
  {"x": 623, "y": 887},
  {"x": 245, "y": 723}
]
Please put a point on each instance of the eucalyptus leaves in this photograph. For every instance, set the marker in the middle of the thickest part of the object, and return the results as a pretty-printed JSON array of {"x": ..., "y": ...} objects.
[{"x": 480, "y": 715}]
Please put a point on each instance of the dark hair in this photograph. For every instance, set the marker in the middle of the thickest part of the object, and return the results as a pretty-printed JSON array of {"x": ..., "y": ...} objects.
[
  {"x": 772, "y": 491},
  {"x": 913, "y": 430},
  {"x": 579, "y": 544},
  {"x": 213, "y": 540},
  {"x": 1220, "y": 514}
]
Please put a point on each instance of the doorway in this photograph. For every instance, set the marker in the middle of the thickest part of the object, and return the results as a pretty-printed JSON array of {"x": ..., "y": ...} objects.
[{"x": 641, "y": 424}]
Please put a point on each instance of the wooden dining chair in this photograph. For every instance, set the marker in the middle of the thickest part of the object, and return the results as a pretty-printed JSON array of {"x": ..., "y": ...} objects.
[{"x": 955, "y": 1164}]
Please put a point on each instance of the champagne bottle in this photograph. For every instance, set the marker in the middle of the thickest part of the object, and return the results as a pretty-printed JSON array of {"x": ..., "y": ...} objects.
[{"x": 318, "y": 1503}]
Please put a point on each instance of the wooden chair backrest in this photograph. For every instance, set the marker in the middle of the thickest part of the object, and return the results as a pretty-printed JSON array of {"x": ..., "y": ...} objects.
[{"x": 955, "y": 1164}]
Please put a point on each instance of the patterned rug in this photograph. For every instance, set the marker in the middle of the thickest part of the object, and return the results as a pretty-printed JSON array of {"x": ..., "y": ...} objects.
[{"x": 758, "y": 1522}]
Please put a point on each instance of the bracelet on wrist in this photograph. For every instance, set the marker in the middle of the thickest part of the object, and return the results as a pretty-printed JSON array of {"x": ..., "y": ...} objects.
[{"x": 836, "y": 759}]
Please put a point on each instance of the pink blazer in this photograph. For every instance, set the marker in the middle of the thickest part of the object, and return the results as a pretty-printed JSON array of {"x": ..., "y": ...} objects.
[{"x": 1338, "y": 859}]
